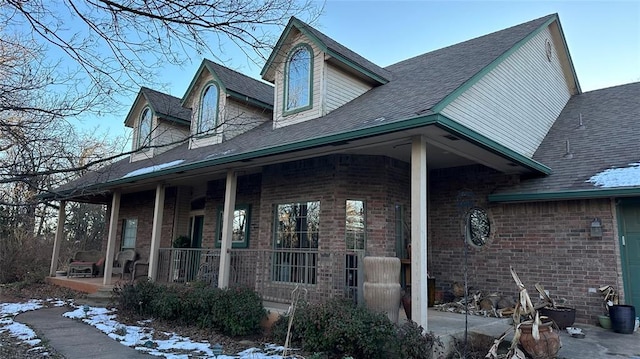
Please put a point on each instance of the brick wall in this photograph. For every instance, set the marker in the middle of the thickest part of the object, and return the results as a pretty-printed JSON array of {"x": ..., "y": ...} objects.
[{"x": 547, "y": 242}]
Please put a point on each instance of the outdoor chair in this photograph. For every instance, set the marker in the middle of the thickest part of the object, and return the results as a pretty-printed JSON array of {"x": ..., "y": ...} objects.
[{"x": 124, "y": 262}]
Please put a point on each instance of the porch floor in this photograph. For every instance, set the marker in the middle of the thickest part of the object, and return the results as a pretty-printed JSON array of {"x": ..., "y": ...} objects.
[{"x": 89, "y": 285}]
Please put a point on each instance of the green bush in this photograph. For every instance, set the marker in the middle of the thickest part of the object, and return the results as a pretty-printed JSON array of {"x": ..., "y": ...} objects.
[
  {"x": 231, "y": 311},
  {"x": 339, "y": 329}
]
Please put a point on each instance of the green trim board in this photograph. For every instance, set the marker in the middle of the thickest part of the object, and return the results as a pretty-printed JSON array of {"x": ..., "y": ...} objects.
[
  {"x": 240, "y": 97},
  {"x": 480, "y": 74},
  {"x": 562, "y": 195}
]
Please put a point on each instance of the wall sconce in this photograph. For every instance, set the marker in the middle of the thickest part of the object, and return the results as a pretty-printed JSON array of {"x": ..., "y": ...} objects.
[{"x": 596, "y": 228}]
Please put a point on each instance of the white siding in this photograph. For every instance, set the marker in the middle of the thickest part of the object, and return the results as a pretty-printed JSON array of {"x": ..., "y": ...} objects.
[
  {"x": 342, "y": 88},
  {"x": 516, "y": 103},
  {"x": 240, "y": 118},
  {"x": 168, "y": 135},
  {"x": 316, "y": 110}
]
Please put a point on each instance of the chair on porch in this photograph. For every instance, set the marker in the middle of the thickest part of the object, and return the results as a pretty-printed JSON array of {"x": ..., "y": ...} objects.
[{"x": 124, "y": 262}]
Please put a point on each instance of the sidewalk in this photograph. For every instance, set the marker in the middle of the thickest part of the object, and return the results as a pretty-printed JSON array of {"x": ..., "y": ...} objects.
[{"x": 73, "y": 339}]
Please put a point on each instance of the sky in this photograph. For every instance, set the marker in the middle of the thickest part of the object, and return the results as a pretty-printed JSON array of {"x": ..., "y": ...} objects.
[{"x": 603, "y": 37}]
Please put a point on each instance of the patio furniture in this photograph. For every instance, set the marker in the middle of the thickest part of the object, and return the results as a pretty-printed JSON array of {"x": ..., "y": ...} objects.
[
  {"x": 85, "y": 263},
  {"x": 124, "y": 262}
]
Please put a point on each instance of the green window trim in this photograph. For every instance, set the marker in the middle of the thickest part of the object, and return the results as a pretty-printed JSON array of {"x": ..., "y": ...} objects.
[
  {"x": 201, "y": 130},
  {"x": 246, "y": 209},
  {"x": 145, "y": 119},
  {"x": 286, "y": 110}
]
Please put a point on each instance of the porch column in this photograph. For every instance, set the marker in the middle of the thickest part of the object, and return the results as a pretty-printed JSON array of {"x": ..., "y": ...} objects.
[
  {"x": 62, "y": 216},
  {"x": 156, "y": 232},
  {"x": 111, "y": 241},
  {"x": 227, "y": 227},
  {"x": 419, "y": 295}
]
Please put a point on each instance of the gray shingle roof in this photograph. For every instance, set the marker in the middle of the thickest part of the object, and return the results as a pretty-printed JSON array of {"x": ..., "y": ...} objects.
[
  {"x": 607, "y": 139},
  {"x": 416, "y": 85},
  {"x": 166, "y": 105},
  {"x": 243, "y": 84}
]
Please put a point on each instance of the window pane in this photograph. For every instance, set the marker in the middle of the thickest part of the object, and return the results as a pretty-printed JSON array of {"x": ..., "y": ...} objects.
[
  {"x": 355, "y": 225},
  {"x": 478, "y": 227},
  {"x": 239, "y": 231},
  {"x": 129, "y": 230},
  {"x": 299, "y": 79},
  {"x": 144, "y": 130},
  {"x": 208, "y": 109}
]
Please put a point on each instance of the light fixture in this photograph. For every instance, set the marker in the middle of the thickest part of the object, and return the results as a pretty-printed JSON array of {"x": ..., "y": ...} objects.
[{"x": 596, "y": 228}]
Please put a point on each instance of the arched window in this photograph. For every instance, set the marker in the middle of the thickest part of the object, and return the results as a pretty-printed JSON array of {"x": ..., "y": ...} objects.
[
  {"x": 144, "y": 128},
  {"x": 298, "y": 79},
  {"x": 478, "y": 227},
  {"x": 208, "y": 109}
]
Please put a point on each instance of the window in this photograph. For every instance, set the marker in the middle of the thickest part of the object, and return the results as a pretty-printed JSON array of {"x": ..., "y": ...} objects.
[
  {"x": 477, "y": 227},
  {"x": 296, "y": 242},
  {"x": 144, "y": 128},
  {"x": 129, "y": 229},
  {"x": 208, "y": 109},
  {"x": 240, "y": 230},
  {"x": 298, "y": 72},
  {"x": 354, "y": 225}
]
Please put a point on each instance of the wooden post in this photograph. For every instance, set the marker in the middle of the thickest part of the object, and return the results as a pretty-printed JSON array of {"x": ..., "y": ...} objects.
[
  {"x": 62, "y": 215},
  {"x": 227, "y": 229},
  {"x": 111, "y": 241},
  {"x": 156, "y": 233},
  {"x": 419, "y": 286}
]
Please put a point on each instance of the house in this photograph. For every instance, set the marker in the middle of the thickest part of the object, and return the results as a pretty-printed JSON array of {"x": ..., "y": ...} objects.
[{"x": 489, "y": 142}]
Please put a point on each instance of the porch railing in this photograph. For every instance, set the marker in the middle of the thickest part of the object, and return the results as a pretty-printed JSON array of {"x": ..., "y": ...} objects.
[{"x": 274, "y": 273}]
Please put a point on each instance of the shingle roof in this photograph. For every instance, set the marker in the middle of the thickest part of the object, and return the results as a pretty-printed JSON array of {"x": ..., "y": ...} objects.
[
  {"x": 243, "y": 84},
  {"x": 417, "y": 84},
  {"x": 607, "y": 139},
  {"x": 166, "y": 105}
]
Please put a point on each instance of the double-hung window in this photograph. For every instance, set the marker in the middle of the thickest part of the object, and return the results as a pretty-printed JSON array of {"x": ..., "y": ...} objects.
[{"x": 129, "y": 231}]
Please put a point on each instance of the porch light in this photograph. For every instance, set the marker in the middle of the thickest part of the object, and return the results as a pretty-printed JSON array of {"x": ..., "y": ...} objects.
[{"x": 596, "y": 228}]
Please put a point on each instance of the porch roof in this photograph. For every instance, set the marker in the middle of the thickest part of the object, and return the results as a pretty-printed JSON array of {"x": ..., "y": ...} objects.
[{"x": 593, "y": 149}]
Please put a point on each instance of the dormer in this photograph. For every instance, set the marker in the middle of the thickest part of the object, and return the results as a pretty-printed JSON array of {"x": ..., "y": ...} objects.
[
  {"x": 314, "y": 75},
  {"x": 225, "y": 103},
  {"x": 159, "y": 123}
]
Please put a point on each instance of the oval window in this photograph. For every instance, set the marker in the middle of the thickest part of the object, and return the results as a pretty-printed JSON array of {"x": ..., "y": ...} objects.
[{"x": 478, "y": 227}]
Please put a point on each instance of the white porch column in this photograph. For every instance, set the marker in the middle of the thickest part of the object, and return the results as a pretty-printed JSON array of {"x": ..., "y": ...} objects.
[
  {"x": 227, "y": 227},
  {"x": 111, "y": 242},
  {"x": 62, "y": 216},
  {"x": 156, "y": 232},
  {"x": 419, "y": 295}
]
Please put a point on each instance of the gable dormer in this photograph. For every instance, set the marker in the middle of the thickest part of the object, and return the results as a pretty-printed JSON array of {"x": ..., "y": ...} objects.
[
  {"x": 314, "y": 75},
  {"x": 225, "y": 103},
  {"x": 159, "y": 123}
]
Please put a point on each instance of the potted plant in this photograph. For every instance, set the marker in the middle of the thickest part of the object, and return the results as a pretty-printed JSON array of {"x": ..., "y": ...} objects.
[
  {"x": 563, "y": 316},
  {"x": 610, "y": 297},
  {"x": 622, "y": 317},
  {"x": 535, "y": 334}
]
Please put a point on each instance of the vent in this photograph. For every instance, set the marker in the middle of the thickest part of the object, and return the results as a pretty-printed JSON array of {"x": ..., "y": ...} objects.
[{"x": 451, "y": 137}]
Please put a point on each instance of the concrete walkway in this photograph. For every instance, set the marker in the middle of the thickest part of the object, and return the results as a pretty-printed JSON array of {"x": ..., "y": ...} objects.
[{"x": 73, "y": 339}]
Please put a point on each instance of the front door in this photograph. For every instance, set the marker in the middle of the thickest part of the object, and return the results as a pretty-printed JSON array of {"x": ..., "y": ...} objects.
[{"x": 629, "y": 217}]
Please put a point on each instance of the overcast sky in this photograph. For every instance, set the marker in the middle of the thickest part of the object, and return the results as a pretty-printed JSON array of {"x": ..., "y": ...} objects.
[{"x": 603, "y": 36}]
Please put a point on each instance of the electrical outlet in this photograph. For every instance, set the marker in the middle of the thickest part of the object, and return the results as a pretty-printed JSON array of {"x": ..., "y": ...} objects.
[{"x": 592, "y": 290}]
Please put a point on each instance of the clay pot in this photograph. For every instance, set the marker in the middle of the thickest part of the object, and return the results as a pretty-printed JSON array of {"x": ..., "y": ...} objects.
[{"x": 546, "y": 347}]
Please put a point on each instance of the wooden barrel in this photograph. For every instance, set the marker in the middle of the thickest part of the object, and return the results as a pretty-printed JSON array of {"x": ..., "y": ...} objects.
[{"x": 382, "y": 285}]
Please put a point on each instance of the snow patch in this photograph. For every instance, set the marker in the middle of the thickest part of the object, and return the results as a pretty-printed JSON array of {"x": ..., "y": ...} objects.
[
  {"x": 154, "y": 168},
  {"x": 617, "y": 177}
]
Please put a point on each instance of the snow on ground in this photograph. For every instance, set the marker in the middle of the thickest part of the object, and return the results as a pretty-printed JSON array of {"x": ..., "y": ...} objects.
[
  {"x": 617, "y": 177},
  {"x": 138, "y": 337}
]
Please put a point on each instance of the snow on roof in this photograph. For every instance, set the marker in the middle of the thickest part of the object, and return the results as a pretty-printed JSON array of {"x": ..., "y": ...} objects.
[
  {"x": 154, "y": 168},
  {"x": 618, "y": 177}
]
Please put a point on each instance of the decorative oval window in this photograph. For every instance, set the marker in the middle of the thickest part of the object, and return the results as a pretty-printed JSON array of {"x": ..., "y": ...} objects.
[{"x": 478, "y": 227}]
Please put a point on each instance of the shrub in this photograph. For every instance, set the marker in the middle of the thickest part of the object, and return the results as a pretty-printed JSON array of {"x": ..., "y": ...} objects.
[
  {"x": 338, "y": 328},
  {"x": 231, "y": 311}
]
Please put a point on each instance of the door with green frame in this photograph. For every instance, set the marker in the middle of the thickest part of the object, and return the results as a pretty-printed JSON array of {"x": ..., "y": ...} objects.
[{"x": 629, "y": 239}]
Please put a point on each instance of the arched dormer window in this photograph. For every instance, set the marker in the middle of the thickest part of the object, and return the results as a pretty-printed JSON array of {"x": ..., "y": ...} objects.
[
  {"x": 298, "y": 79},
  {"x": 208, "y": 118},
  {"x": 144, "y": 128}
]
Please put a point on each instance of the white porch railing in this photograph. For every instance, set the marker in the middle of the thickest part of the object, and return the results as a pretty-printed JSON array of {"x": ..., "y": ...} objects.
[{"x": 274, "y": 273}]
